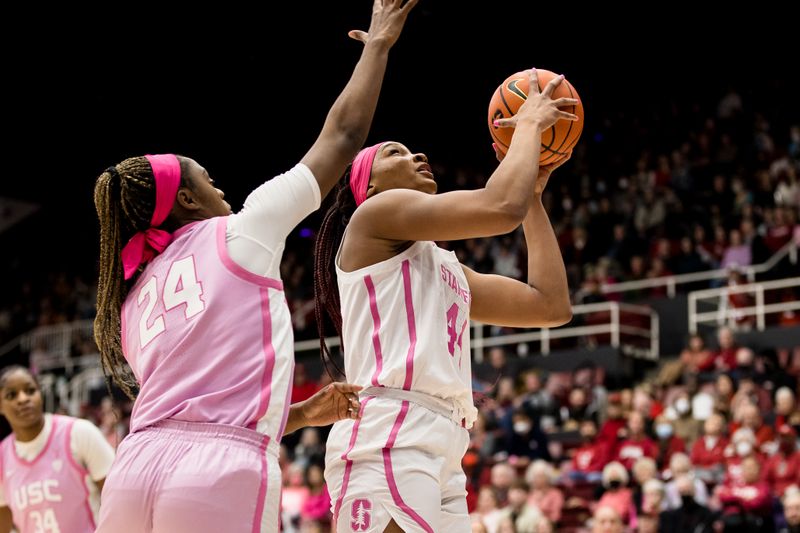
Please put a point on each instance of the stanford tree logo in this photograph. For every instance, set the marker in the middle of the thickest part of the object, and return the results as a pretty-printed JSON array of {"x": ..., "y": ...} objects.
[{"x": 360, "y": 513}]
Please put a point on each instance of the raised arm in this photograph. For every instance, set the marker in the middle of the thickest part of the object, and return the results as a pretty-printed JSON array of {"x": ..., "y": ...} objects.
[
  {"x": 409, "y": 215},
  {"x": 544, "y": 300},
  {"x": 348, "y": 121}
]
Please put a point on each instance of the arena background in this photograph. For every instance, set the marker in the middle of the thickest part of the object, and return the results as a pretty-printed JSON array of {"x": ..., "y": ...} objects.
[{"x": 245, "y": 92}]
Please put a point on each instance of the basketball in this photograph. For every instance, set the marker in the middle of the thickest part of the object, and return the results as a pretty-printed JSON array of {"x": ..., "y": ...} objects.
[{"x": 558, "y": 140}]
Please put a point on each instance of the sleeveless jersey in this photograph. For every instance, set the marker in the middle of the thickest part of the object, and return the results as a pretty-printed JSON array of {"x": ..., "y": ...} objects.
[
  {"x": 49, "y": 493},
  {"x": 406, "y": 325},
  {"x": 207, "y": 340}
]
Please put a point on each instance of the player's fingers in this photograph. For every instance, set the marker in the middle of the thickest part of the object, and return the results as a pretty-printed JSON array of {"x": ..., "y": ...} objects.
[
  {"x": 533, "y": 78},
  {"x": 358, "y": 35},
  {"x": 347, "y": 387},
  {"x": 551, "y": 87},
  {"x": 567, "y": 116},
  {"x": 409, "y": 6},
  {"x": 497, "y": 153},
  {"x": 505, "y": 122},
  {"x": 564, "y": 102}
]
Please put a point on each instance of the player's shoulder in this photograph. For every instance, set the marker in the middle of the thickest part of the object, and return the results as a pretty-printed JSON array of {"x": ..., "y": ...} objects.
[{"x": 84, "y": 428}]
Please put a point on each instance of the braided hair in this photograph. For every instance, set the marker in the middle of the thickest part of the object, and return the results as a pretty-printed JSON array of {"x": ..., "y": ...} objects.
[
  {"x": 326, "y": 290},
  {"x": 125, "y": 198}
]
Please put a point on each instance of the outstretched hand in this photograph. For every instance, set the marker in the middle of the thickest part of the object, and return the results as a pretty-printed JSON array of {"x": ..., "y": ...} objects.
[
  {"x": 388, "y": 18},
  {"x": 334, "y": 402}
]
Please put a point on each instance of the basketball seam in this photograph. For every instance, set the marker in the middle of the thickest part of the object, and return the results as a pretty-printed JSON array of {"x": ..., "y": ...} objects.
[{"x": 569, "y": 130}]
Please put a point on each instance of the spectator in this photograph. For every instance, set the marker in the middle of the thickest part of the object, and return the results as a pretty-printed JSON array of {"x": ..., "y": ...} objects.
[
  {"x": 724, "y": 358},
  {"x": 644, "y": 470},
  {"x": 607, "y": 520},
  {"x": 488, "y": 511},
  {"x": 667, "y": 443},
  {"x": 318, "y": 504},
  {"x": 523, "y": 515},
  {"x": 615, "y": 421},
  {"x": 575, "y": 411},
  {"x": 537, "y": 400},
  {"x": 498, "y": 366},
  {"x": 293, "y": 497},
  {"x": 543, "y": 495},
  {"x": 652, "y": 504},
  {"x": 526, "y": 441},
  {"x": 747, "y": 504},
  {"x": 783, "y": 468},
  {"x": 503, "y": 476},
  {"x": 687, "y": 427},
  {"x": 749, "y": 417},
  {"x": 309, "y": 448},
  {"x": 680, "y": 465},
  {"x": 591, "y": 456},
  {"x": 785, "y": 406},
  {"x": 742, "y": 446},
  {"x": 695, "y": 355},
  {"x": 689, "y": 516},
  {"x": 303, "y": 387},
  {"x": 791, "y": 511},
  {"x": 708, "y": 452},
  {"x": 617, "y": 494},
  {"x": 723, "y": 394},
  {"x": 637, "y": 444}
]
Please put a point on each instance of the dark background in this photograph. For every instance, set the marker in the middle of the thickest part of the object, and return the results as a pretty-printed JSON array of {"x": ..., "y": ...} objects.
[{"x": 245, "y": 91}]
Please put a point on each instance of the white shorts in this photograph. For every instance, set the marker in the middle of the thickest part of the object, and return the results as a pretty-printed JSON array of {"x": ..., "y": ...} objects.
[{"x": 400, "y": 461}]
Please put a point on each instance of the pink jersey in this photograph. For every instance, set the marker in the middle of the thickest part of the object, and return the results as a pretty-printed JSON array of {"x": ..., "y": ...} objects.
[
  {"x": 47, "y": 494},
  {"x": 208, "y": 340},
  {"x": 406, "y": 325}
]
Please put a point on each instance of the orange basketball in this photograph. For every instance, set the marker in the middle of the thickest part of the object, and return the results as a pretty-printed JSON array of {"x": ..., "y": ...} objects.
[{"x": 559, "y": 139}]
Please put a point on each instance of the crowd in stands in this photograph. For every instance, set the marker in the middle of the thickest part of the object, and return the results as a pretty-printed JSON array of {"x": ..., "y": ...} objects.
[{"x": 709, "y": 442}]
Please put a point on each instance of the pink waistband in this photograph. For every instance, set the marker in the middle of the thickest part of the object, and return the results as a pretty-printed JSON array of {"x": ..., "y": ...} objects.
[{"x": 204, "y": 431}]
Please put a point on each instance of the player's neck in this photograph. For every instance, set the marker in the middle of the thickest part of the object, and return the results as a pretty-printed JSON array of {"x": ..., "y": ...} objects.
[{"x": 29, "y": 433}]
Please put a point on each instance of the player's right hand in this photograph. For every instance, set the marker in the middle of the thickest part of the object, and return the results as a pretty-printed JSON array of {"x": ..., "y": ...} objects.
[
  {"x": 539, "y": 108},
  {"x": 388, "y": 18}
]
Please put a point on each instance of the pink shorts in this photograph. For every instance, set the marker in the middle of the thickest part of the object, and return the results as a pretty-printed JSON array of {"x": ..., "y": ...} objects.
[{"x": 186, "y": 477}]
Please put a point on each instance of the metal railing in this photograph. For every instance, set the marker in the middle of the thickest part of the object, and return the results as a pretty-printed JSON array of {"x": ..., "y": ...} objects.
[
  {"x": 671, "y": 282},
  {"x": 620, "y": 333},
  {"x": 724, "y": 313},
  {"x": 634, "y": 340}
]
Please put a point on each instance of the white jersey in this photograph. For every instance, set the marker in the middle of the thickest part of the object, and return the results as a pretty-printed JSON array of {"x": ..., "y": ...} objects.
[{"x": 406, "y": 325}]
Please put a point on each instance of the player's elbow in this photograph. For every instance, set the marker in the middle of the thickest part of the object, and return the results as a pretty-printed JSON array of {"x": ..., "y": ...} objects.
[
  {"x": 509, "y": 214},
  {"x": 552, "y": 316},
  {"x": 560, "y": 316}
]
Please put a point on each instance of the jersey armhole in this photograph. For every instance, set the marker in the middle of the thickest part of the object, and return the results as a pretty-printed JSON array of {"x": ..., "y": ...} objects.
[{"x": 235, "y": 268}]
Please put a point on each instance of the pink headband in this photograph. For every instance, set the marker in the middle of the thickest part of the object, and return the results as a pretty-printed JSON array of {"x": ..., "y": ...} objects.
[
  {"x": 145, "y": 245},
  {"x": 360, "y": 172}
]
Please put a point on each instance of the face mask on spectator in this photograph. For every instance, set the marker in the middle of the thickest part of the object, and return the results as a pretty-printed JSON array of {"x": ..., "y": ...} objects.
[
  {"x": 522, "y": 427},
  {"x": 743, "y": 449},
  {"x": 687, "y": 500},
  {"x": 682, "y": 406},
  {"x": 614, "y": 484},
  {"x": 664, "y": 431}
]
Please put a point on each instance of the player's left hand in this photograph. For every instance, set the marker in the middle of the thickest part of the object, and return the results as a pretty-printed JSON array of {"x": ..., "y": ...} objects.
[{"x": 333, "y": 403}]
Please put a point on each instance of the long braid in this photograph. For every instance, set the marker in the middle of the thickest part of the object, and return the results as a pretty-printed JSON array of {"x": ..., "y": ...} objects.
[
  {"x": 326, "y": 290},
  {"x": 124, "y": 196}
]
